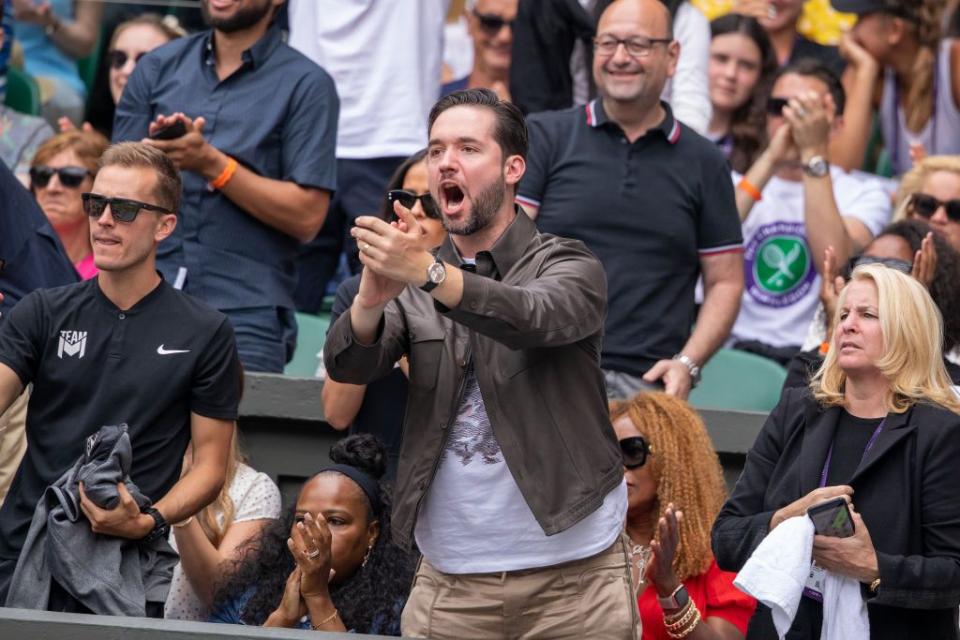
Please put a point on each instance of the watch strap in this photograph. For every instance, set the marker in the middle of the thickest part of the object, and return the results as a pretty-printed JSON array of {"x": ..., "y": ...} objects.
[
  {"x": 160, "y": 526},
  {"x": 676, "y": 600},
  {"x": 430, "y": 285}
]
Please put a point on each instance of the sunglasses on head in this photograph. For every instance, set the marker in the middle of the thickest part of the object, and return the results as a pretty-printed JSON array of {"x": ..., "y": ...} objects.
[
  {"x": 492, "y": 23},
  {"x": 894, "y": 263},
  {"x": 926, "y": 205},
  {"x": 775, "y": 105},
  {"x": 116, "y": 58},
  {"x": 122, "y": 209},
  {"x": 635, "y": 451},
  {"x": 409, "y": 200},
  {"x": 70, "y": 177}
]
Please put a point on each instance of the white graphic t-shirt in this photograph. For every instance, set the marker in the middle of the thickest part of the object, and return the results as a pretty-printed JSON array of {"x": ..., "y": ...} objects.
[
  {"x": 474, "y": 518},
  {"x": 782, "y": 285}
]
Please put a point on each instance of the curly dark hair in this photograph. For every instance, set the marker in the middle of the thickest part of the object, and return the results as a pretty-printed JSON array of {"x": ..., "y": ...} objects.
[
  {"x": 943, "y": 289},
  {"x": 748, "y": 124},
  {"x": 371, "y": 594}
]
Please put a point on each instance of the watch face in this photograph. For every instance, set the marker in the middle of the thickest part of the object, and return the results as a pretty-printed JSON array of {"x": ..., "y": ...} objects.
[
  {"x": 436, "y": 272},
  {"x": 818, "y": 167}
]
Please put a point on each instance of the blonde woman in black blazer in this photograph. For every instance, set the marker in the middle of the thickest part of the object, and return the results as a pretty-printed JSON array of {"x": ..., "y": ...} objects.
[{"x": 879, "y": 425}]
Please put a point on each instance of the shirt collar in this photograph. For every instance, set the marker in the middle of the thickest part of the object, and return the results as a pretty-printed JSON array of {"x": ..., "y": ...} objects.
[
  {"x": 669, "y": 126},
  {"x": 255, "y": 55},
  {"x": 505, "y": 252}
]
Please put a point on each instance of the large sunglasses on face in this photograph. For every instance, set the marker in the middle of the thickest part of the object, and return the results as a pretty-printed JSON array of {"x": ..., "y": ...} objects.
[
  {"x": 492, "y": 23},
  {"x": 70, "y": 177},
  {"x": 117, "y": 59},
  {"x": 926, "y": 205},
  {"x": 409, "y": 200},
  {"x": 635, "y": 451},
  {"x": 122, "y": 209},
  {"x": 775, "y": 106}
]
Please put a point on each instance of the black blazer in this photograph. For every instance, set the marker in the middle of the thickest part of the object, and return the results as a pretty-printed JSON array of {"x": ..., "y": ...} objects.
[{"x": 907, "y": 489}]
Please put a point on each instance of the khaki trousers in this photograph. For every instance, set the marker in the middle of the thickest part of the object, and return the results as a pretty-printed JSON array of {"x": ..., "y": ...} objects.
[
  {"x": 590, "y": 598},
  {"x": 13, "y": 440}
]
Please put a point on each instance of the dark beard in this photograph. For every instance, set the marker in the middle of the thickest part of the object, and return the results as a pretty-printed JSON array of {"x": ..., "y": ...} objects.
[
  {"x": 484, "y": 209},
  {"x": 243, "y": 19}
]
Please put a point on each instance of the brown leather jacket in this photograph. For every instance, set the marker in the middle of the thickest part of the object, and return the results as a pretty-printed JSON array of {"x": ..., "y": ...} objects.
[{"x": 533, "y": 329}]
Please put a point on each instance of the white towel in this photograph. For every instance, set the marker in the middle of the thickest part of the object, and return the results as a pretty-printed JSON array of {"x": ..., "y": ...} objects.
[{"x": 777, "y": 571}]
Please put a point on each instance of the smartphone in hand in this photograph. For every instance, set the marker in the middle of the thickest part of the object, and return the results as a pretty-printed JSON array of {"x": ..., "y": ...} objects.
[
  {"x": 832, "y": 518},
  {"x": 170, "y": 132}
]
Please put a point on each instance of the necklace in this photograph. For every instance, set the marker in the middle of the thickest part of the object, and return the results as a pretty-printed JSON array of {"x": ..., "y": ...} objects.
[{"x": 640, "y": 555}]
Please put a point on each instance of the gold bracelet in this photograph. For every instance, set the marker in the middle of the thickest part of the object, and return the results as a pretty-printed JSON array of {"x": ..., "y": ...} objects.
[
  {"x": 330, "y": 617},
  {"x": 678, "y": 635},
  {"x": 684, "y": 621},
  {"x": 182, "y": 523},
  {"x": 874, "y": 586}
]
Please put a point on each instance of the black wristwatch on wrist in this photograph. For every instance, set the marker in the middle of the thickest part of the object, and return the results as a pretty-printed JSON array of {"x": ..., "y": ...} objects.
[{"x": 160, "y": 526}]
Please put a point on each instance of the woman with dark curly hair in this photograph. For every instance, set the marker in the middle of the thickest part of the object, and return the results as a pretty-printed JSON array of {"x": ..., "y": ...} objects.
[
  {"x": 742, "y": 65},
  {"x": 330, "y": 564}
]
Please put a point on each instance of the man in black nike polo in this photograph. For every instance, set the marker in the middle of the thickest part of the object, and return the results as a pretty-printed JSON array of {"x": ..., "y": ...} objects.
[{"x": 121, "y": 348}]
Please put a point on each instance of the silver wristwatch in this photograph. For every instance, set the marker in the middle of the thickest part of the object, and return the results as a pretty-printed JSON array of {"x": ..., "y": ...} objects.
[
  {"x": 436, "y": 274},
  {"x": 692, "y": 366},
  {"x": 817, "y": 167}
]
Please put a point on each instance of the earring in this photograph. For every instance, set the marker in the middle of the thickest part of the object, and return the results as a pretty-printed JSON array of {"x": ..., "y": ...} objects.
[{"x": 366, "y": 556}]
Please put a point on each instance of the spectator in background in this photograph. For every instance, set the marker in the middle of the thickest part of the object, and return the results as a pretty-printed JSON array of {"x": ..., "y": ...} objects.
[
  {"x": 794, "y": 205},
  {"x": 64, "y": 168},
  {"x": 920, "y": 75},
  {"x": 883, "y": 380},
  {"x": 379, "y": 407},
  {"x": 675, "y": 489},
  {"x": 330, "y": 563},
  {"x": 210, "y": 540},
  {"x": 931, "y": 191},
  {"x": 151, "y": 337},
  {"x": 650, "y": 197},
  {"x": 490, "y": 24},
  {"x": 742, "y": 66},
  {"x": 20, "y": 134},
  {"x": 254, "y": 188},
  {"x": 780, "y": 22},
  {"x": 386, "y": 59},
  {"x": 54, "y": 35}
]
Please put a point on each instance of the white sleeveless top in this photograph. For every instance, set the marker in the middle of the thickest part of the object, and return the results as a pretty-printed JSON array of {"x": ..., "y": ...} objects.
[{"x": 940, "y": 136}]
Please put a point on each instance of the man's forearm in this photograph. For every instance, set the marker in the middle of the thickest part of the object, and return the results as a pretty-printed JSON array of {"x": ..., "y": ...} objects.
[
  {"x": 758, "y": 176},
  {"x": 194, "y": 491},
  {"x": 824, "y": 224},
  {"x": 365, "y": 322},
  {"x": 718, "y": 312}
]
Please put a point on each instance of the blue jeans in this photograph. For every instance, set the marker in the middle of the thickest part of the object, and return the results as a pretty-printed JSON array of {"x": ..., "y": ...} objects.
[{"x": 266, "y": 337}]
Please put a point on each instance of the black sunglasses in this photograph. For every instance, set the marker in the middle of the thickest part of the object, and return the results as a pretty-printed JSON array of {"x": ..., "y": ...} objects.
[
  {"x": 409, "y": 200},
  {"x": 492, "y": 23},
  {"x": 635, "y": 451},
  {"x": 116, "y": 58},
  {"x": 122, "y": 209},
  {"x": 70, "y": 177},
  {"x": 926, "y": 205},
  {"x": 775, "y": 105}
]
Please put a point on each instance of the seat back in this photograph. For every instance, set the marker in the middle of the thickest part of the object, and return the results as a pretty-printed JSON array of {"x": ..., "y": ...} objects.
[
  {"x": 311, "y": 334},
  {"x": 738, "y": 380},
  {"x": 23, "y": 93}
]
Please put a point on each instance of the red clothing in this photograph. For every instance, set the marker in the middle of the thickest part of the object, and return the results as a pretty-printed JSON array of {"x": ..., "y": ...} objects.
[{"x": 713, "y": 593}]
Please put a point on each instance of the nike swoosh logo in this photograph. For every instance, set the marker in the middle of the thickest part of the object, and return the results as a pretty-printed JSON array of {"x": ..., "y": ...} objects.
[{"x": 166, "y": 352}]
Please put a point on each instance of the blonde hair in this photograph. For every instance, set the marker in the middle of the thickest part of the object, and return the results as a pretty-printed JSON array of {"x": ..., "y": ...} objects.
[
  {"x": 686, "y": 469},
  {"x": 216, "y": 527},
  {"x": 912, "y": 181},
  {"x": 912, "y": 331},
  {"x": 167, "y": 25},
  {"x": 918, "y": 102}
]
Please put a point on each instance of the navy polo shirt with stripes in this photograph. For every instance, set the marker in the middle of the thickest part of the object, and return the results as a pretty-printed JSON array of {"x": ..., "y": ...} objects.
[{"x": 649, "y": 210}]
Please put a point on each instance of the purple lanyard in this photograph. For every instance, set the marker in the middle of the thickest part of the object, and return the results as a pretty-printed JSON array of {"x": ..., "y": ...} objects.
[
  {"x": 895, "y": 151},
  {"x": 870, "y": 443}
]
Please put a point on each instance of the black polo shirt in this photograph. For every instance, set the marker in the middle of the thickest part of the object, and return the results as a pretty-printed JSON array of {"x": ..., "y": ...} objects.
[
  {"x": 92, "y": 364},
  {"x": 649, "y": 210}
]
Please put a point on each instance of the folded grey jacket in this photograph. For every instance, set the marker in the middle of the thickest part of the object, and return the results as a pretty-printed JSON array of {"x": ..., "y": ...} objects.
[{"x": 109, "y": 575}]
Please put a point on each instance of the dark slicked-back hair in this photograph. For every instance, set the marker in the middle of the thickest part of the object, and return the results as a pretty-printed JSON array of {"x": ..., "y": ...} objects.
[
  {"x": 136, "y": 154},
  {"x": 510, "y": 130},
  {"x": 812, "y": 68}
]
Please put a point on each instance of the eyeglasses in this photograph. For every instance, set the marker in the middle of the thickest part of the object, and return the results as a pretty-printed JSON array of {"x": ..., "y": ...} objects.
[
  {"x": 926, "y": 205},
  {"x": 635, "y": 451},
  {"x": 637, "y": 46},
  {"x": 409, "y": 200},
  {"x": 116, "y": 58},
  {"x": 122, "y": 209},
  {"x": 70, "y": 177},
  {"x": 492, "y": 23},
  {"x": 775, "y": 105}
]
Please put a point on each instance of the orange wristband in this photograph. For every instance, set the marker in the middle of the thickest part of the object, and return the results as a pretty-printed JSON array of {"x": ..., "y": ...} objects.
[
  {"x": 824, "y": 348},
  {"x": 745, "y": 186},
  {"x": 226, "y": 175}
]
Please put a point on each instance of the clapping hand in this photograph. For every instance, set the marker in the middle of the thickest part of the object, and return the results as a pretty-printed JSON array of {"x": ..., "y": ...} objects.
[
  {"x": 925, "y": 261},
  {"x": 191, "y": 151},
  {"x": 831, "y": 283},
  {"x": 309, "y": 543}
]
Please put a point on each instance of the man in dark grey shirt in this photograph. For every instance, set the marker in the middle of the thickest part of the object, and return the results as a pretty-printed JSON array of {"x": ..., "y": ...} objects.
[{"x": 258, "y": 166}]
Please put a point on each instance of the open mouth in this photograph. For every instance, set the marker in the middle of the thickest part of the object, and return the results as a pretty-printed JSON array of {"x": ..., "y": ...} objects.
[{"x": 451, "y": 197}]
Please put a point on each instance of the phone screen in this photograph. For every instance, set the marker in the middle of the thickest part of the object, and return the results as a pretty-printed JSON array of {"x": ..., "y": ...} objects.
[{"x": 832, "y": 519}]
